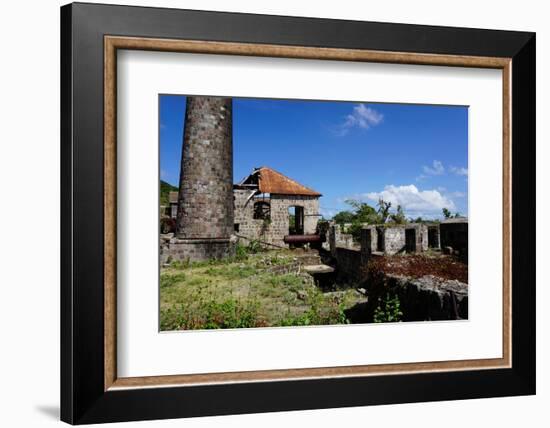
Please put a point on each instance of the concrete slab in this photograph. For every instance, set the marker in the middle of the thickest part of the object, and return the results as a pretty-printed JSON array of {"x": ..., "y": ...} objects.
[{"x": 317, "y": 269}]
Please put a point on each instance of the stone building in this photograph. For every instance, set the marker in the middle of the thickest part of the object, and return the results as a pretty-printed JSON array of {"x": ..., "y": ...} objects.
[
  {"x": 394, "y": 239},
  {"x": 454, "y": 236},
  {"x": 270, "y": 206},
  {"x": 170, "y": 210},
  {"x": 388, "y": 238}
]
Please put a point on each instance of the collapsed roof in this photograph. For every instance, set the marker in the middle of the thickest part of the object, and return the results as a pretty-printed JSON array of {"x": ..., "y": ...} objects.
[{"x": 268, "y": 180}]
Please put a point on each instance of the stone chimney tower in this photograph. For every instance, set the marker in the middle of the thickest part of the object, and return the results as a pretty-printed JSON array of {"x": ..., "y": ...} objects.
[{"x": 205, "y": 202}]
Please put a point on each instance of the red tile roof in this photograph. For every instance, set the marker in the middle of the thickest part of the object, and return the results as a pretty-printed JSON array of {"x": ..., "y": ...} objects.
[{"x": 271, "y": 181}]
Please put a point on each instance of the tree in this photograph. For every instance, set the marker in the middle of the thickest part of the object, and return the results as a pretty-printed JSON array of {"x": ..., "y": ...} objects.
[
  {"x": 344, "y": 217},
  {"x": 363, "y": 212},
  {"x": 446, "y": 213},
  {"x": 399, "y": 216},
  {"x": 383, "y": 210}
]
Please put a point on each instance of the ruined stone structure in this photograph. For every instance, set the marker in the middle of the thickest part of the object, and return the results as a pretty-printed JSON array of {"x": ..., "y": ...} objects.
[
  {"x": 205, "y": 200},
  {"x": 434, "y": 236},
  {"x": 262, "y": 203},
  {"x": 173, "y": 204},
  {"x": 337, "y": 238},
  {"x": 262, "y": 207},
  {"x": 454, "y": 236},
  {"x": 384, "y": 238},
  {"x": 424, "y": 298}
]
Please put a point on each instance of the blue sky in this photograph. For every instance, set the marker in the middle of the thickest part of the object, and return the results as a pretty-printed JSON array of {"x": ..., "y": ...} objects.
[{"x": 413, "y": 155}]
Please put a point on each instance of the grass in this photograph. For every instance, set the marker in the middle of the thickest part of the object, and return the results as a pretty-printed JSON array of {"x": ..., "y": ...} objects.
[{"x": 243, "y": 292}]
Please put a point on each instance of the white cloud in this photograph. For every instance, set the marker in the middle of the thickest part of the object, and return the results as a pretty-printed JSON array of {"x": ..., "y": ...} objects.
[
  {"x": 458, "y": 194},
  {"x": 459, "y": 170},
  {"x": 437, "y": 168},
  {"x": 415, "y": 202},
  {"x": 361, "y": 117}
]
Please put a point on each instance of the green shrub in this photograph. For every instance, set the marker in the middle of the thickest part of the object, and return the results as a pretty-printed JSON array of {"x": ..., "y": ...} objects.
[
  {"x": 254, "y": 247},
  {"x": 285, "y": 280},
  {"x": 241, "y": 253},
  {"x": 321, "y": 311},
  {"x": 230, "y": 313},
  {"x": 388, "y": 310}
]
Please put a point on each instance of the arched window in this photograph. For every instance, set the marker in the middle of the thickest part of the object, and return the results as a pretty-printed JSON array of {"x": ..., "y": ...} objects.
[{"x": 262, "y": 210}]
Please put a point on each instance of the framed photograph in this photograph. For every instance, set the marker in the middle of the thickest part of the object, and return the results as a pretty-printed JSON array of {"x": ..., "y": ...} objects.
[{"x": 266, "y": 213}]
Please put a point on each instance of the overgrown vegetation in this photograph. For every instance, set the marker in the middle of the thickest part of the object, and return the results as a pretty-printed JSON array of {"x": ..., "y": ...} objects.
[
  {"x": 363, "y": 213},
  {"x": 388, "y": 310},
  {"x": 447, "y": 214},
  {"x": 248, "y": 290}
]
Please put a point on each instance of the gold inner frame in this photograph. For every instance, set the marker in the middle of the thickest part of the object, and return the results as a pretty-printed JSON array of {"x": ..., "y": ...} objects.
[{"x": 113, "y": 43}]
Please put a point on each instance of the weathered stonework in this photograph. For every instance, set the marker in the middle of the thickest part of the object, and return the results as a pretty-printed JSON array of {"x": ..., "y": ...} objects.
[
  {"x": 421, "y": 236},
  {"x": 337, "y": 238},
  {"x": 422, "y": 299},
  {"x": 394, "y": 240},
  {"x": 205, "y": 200},
  {"x": 274, "y": 229},
  {"x": 434, "y": 236},
  {"x": 349, "y": 263}
]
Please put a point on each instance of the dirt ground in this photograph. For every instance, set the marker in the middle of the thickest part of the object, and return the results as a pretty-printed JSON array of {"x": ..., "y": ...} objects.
[{"x": 415, "y": 265}]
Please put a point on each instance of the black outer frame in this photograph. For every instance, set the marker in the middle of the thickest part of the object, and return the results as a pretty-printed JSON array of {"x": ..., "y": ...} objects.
[{"x": 83, "y": 399}]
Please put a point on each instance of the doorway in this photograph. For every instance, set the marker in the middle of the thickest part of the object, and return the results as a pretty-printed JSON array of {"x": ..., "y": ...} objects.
[
  {"x": 433, "y": 237},
  {"x": 296, "y": 220},
  {"x": 410, "y": 240}
]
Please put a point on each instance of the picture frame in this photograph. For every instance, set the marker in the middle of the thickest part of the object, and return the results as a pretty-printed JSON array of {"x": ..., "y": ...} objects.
[{"x": 91, "y": 391}]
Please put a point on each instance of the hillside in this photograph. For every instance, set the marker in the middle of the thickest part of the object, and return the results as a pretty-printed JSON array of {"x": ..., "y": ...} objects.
[{"x": 165, "y": 189}]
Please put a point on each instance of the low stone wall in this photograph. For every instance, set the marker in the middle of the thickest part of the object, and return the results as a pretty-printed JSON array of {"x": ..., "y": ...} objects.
[
  {"x": 176, "y": 249},
  {"x": 349, "y": 265},
  {"x": 336, "y": 238},
  {"x": 343, "y": 239},
  {"x": 421, "y": 299}
]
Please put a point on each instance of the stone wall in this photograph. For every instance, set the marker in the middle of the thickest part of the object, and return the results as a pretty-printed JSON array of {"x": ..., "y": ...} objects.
[
  {"x": 245, "y": 224},
  {"x": 421, "y": 235},
  {"x": 349, "y": 266},
  {"x": 421, "y": 299},
  {"x": 280, "y": 218},
  {"x": 373, "y": 238},
  {"x": 426, "y": 298},
  {"x": 433, "y": 236},
  {"x": 176, "y": 249},
  {"x": 351, "y": 261},
  {"x": 276, "y": 228},
  {"x": 454, "y": 237},
  {"x": 337, "y": 238},
  {"x": 394, "y": 240}
]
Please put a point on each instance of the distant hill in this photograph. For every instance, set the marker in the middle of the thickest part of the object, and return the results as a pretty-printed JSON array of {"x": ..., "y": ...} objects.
[{"x": 165, "y": 189}]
